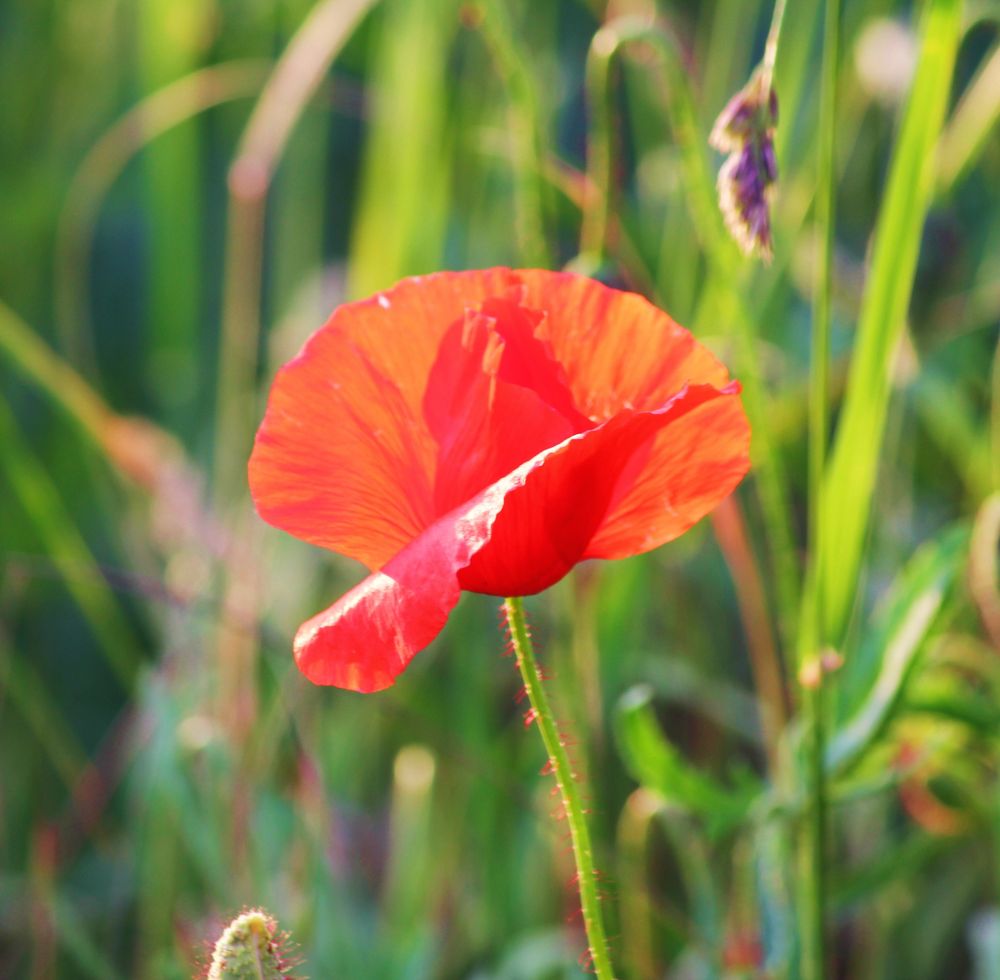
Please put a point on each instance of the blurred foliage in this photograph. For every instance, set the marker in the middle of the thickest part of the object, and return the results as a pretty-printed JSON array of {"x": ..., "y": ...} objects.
[{"x": 163, "y": 763}]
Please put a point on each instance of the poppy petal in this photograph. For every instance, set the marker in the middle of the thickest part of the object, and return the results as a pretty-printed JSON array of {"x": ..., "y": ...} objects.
[
  {"x": 343, "y": 458},
  {"x": 518, "y": 536},
  {"x": 618, "y": 350},
  {"x": 488, "y": 410},
  {"x": 689, "y": 468},
  {"x": 366, "y": 638},
  {"x": 549, "y": 519}
]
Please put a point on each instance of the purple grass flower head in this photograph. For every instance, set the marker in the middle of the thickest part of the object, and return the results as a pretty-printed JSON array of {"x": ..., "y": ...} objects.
[{"x": 745, "y": 130}]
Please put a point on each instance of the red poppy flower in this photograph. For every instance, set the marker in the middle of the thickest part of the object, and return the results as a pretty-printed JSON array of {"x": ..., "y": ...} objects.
[{"x": 485, "y": 431}]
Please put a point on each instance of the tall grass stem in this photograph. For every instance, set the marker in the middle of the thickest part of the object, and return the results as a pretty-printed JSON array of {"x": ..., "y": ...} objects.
[
  {"x": 525, "y": 132},
  {"x": 811, "y": 638},
  {"x": 295, "y": 78},
  {"x": 723, "y": 259}
]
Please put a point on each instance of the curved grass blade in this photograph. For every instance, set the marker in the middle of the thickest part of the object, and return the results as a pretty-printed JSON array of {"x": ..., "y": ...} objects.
[
  {"x": 658, "y": 765},
  {"x": 886, "y": 659}
]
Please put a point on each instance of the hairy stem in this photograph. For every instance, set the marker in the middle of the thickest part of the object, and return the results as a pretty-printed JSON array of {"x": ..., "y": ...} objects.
[{"x": 569, "y": 790}]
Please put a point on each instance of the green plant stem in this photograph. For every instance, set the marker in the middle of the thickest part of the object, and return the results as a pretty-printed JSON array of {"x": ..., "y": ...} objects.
[
  {"x": 36, "y": 362},
  {"x": 771, "y": 45},
  {"x": 811, "y": 637},
  {"x": 145, "y": 122},
  {"x": 299, "y": 72},
  {"x": 723, "y": 259},
  {"x": 569, "y": 791},
  {"x": 525, "y": 130}
]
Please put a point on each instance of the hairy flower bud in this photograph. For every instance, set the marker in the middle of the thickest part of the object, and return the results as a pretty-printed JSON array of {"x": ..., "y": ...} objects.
[
  {"x": 249, "y": 949},
  {"x": 745, "y": 130}
]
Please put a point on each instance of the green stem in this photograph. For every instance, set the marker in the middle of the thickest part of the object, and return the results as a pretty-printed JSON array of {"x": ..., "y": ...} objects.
[
  {"x": 525, "y": 131},
  {"x": 36, "y": 362},
  {"x": 773, "y": 37},
  {"x": 569, "y": 791},
  {"x": 811, "y": 635},
  {"x": 296, "y": 76},
  {"x": 722, "y": 255}
]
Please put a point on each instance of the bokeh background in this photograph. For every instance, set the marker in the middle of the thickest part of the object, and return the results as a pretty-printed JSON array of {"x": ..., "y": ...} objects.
[{"x": 187, "y": 188}]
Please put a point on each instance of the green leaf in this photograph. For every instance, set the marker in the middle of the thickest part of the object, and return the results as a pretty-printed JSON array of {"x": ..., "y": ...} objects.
[
  {"x": 885, "y": 660},
  {"x": 658, "y": 765}
]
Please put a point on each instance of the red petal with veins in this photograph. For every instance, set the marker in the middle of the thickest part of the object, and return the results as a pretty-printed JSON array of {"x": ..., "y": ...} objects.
[
  {"x": 344, "y": 458},
  {"x": 617, "y": 349}
]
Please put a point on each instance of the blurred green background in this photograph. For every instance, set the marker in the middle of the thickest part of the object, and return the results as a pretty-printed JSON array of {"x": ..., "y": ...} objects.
[{"x": 188, "y": 187}]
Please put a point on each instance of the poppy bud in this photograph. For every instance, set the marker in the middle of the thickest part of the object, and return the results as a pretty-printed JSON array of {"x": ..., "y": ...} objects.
[{"x": 249, "y": 949}]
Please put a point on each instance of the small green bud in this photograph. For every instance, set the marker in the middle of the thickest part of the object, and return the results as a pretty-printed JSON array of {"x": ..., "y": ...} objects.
[{"x": 249, "y": 949}]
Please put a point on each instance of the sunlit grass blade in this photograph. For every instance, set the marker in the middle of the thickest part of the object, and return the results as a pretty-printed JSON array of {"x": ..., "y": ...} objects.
[
  {"x": 856, "y": 452},
  {"x": 97, "y": 173},
  {"x": 722, "y": 295},
  {"x": 172, "y": 37},
  {"x": 37, "y": 364},
  {"x": 400, "y": 218},
  {"x": 976, "y": 115},
  {"x": 658, "y": 765},
  {"x": 40, "y": 502}
]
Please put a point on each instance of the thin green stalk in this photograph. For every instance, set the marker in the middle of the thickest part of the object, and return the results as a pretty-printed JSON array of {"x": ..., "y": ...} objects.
[
  {"x": 771, "y": 45},
  {"x": 43, "y": 506},
  {"x": 298, "y": 73},
  {"x": 569, "y": 791},
  {"x": 145, "y": 122},
  {"x": 525, "y": 131},
  {"x": 811, "y": 638},
  {"x": 723, "y": 258}
]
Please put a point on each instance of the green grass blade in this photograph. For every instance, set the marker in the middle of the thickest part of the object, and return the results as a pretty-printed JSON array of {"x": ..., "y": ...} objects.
[
  {"x": 41, "y": 504},
  {"x": 21, "y": 683},
  {"x": 400, "y": 221},
  {"x": 855, "y": 458},
  {"x": 171, "y": 36}
]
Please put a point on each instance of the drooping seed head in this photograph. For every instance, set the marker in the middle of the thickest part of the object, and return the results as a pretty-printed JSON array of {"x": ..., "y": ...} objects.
[{"x": 745, "y": 130}]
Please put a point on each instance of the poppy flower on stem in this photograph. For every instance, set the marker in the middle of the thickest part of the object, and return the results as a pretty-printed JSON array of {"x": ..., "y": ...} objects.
[{"x": 485, "y": 431}]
